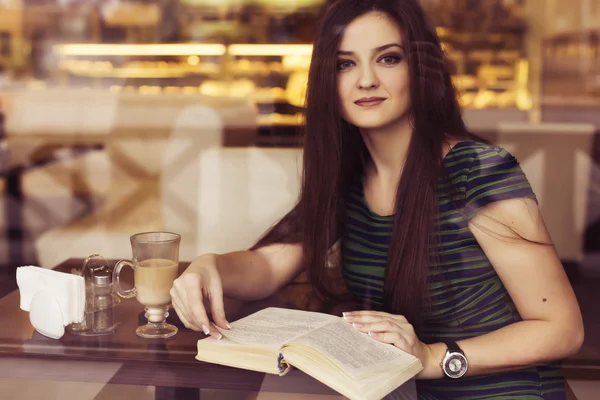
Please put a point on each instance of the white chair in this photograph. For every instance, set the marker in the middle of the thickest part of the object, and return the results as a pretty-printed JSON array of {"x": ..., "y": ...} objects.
[
  {"x": 139, "y": 140},
  {"x": 129, "y": 208},
  {"x": 556, "y": 158},
  {"x": 59, "y": 111},
  {"x": 225, "y": 199},
  {"x": 37, "y": 117},
  {"x": 33, "y": 119}
]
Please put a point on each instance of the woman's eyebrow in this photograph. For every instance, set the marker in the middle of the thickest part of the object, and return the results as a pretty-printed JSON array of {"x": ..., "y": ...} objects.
[{"x": 376, "y": 50}]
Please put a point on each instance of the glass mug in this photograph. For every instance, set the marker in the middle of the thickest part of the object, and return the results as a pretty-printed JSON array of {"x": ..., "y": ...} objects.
[{"x": 155, "y": 264}]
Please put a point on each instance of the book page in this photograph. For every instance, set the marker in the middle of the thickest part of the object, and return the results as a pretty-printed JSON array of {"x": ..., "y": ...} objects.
[
  {"x": 273, "y": 327},
  {"x": 356, "y": 353}
]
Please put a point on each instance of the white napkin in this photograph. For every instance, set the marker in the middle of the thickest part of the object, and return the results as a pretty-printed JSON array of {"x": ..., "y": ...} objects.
[{"x": 67, "y": 289}]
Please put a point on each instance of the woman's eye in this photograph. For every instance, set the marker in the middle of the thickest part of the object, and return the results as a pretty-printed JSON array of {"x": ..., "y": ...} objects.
[
  {"x": 391, "y": 59},
  {"x": 344, "y": 65}
]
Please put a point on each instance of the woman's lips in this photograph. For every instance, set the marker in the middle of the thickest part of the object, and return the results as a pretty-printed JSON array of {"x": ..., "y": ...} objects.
[{"x": 369, "y": 101}]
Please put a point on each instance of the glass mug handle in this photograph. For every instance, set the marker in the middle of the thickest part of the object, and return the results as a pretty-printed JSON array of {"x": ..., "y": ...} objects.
[{"x": 126, "y": 294}]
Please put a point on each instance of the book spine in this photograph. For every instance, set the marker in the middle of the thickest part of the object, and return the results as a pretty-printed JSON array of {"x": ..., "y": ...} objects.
[{"x": 279, "y": 360}]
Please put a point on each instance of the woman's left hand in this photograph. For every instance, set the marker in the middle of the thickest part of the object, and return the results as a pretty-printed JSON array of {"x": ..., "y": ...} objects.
[{"x": 389, "y": 328}]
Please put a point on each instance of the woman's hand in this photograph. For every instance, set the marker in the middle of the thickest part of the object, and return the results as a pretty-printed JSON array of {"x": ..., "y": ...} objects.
[
  {"x": 392, "y": 329},
  {"x": 200, "y": 281}
]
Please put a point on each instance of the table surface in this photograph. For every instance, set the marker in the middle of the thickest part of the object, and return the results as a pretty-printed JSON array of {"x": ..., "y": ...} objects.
[{"x": 160, "y": 362}]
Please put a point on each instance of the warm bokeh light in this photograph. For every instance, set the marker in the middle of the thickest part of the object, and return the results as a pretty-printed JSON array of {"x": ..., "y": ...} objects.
[
  {"x": 139, "y": 49},
  {"x": 270, "y": 50}
]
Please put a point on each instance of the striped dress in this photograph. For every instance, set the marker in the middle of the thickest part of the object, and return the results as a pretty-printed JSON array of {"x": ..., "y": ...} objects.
[{"x": 468, "y": 297}]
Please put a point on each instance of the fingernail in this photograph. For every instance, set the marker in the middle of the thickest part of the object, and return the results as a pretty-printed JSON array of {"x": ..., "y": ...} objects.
[
  {"x": 357, "y": 325},
  {"x": 205, "y": 330},
  {"x": 348, "y": 317},
  {"x": 220, "y": 337},
  {"x": 373, "y": 334},
  {"x": 227, "y": 325}
]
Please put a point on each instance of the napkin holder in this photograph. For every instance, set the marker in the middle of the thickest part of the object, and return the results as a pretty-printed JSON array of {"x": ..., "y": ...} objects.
[
  {"x": 53, "y": 299},
  {"x": 99, "y": 299},
  {"x": 45, "y": 314}
]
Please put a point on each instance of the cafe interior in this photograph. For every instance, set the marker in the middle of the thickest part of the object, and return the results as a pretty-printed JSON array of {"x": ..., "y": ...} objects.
[{"x": 121, "y": 116}]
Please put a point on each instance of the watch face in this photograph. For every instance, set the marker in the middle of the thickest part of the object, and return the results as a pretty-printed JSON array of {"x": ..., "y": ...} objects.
[{"x": 455, "y": 365}]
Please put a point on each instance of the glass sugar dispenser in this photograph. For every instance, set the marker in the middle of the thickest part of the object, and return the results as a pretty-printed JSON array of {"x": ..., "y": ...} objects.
[{"x": 100, "y": 299}]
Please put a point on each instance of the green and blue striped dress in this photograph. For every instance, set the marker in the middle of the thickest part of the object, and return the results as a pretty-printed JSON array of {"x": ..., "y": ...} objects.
[{"x": 468, "y": 297}]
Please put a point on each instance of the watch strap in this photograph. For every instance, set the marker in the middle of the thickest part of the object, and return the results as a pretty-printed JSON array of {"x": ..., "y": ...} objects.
[{"x": 454, "y": 348}]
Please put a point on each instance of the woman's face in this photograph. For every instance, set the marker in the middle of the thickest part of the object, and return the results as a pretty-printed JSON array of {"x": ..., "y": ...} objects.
[{"x": 373, "y": 77}]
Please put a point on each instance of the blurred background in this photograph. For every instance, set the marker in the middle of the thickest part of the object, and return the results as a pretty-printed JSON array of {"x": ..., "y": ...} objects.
[
  {"x": 119, "y": 117},
  {"x": 123, "y": 116}
]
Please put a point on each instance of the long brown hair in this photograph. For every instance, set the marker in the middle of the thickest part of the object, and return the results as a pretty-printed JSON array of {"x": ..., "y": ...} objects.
[{"x": 334, "y": 153}]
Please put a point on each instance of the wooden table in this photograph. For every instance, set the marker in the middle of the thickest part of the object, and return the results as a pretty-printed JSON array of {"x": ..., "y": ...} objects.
[{"x": 168, "y": 365}]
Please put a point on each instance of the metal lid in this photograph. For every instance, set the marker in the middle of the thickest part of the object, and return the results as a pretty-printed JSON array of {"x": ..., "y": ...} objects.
[{"x": 102, "y": 277}]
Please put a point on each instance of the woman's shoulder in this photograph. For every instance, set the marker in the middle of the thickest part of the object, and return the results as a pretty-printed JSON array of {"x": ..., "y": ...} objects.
[
  {"x": 467, "y": 155},
  {"x": 485, "y": 173},
  {"x": 471, "y": 162},
  {"x": 472, "y": 149}
]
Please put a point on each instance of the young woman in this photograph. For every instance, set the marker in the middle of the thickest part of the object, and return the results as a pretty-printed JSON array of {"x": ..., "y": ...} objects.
[{"x": 440, "y": 237}]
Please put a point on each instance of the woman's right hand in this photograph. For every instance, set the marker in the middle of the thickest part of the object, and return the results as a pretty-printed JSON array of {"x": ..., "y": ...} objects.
[{"x": 200, "y": 281}]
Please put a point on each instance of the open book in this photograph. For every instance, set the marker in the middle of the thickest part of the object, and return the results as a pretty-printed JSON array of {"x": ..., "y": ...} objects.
[{"x": 324, "y": 346}]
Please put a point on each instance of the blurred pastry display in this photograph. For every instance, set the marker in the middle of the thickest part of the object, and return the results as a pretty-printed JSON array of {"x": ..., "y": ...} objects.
[
  {"x": 571, "y": 69},
  {"x": 261, "y": 50},
  {"x": 236, "y": 88},
  {"x": 295, "y": 92}
]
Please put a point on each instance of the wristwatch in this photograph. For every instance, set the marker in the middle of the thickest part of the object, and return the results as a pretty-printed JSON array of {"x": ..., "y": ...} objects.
[{"x": 454, "y": 364}]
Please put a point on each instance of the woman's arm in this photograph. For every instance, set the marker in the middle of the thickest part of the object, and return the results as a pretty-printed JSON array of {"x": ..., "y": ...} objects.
[
  {"x": 248, "y": 275},
  {"x": 257, "y": 274},
  {"x": 552, "y": 326}
]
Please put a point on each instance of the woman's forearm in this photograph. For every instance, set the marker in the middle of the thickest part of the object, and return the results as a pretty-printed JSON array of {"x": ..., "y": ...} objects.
[
  {"x": 517, "y": 346},
  {"x": 244, "y": 275},
  {"x": 257, "y": 274}
]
